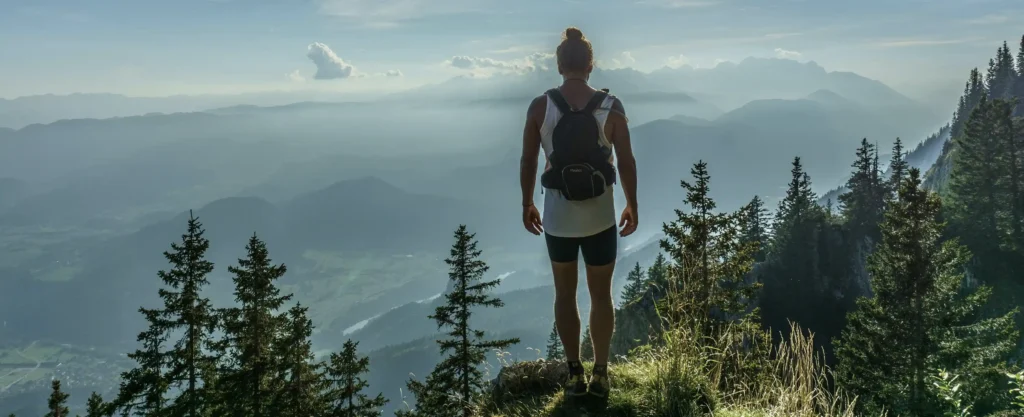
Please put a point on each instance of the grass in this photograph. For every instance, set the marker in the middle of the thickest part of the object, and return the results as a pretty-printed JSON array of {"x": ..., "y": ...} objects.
[{"x": 686, "y": 376}]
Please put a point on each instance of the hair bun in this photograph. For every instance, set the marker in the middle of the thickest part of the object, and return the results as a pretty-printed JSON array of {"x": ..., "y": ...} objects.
[{"x": 573, "y": 33}]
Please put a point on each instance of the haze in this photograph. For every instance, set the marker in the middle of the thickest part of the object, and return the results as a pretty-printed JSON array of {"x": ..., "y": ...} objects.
[{"x": 354, "y": 136}]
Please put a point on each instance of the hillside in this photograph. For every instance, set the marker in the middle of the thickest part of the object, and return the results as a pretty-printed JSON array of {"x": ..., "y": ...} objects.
[{"x": 110, "y": 277}]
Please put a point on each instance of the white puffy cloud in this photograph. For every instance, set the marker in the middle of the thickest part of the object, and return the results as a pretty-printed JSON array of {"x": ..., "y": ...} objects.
[
  {"x": 328, "y": 65},
  {"x": 624, "y": 59},
  {"x": 296, "y": 76},
  {"x": 393, "y": 73},
  {"x": 533, "y": 62},
  {"x": 784, "y": 54},
  {"x": 677, "y": 61}
]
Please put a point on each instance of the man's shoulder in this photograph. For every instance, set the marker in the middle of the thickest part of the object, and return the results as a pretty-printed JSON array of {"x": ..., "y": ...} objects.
[{"x": 538, "y": 105}]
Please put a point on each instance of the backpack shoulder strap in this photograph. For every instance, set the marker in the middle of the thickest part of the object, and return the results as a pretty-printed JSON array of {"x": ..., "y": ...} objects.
[
  {"x": 559, "y": 100},
  {"x": 595, "y": 101}
]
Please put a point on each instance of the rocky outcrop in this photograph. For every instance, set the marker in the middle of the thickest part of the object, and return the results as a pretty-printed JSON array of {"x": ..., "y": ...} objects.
[{"x": 528, "y": 379}]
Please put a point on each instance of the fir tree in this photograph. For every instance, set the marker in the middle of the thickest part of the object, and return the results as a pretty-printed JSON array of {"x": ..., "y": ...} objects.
[
  {"x": 1010, "y": 134},
  {"x": 187, "y": 311},
  {"x": 1020, "y": 58},
  {"x": 143, "y": 389},
  {"x": 58, "y": 402},
  {"x": 799, "y": 268},
  {"x": 974, "y": 183},
  {"x": 344, "y": 394},
  {"x": 974, "y": 91},
  {"x": 657, "y": 277},
  {"x": 920, "y": 317},
  {"x": 635, "y": 285},
  {"x": 862, "y": 204},
  {"x": 709, "y": 265},
  {"x": 95, "y": 407},
  {"x": 555, "y": 350},
  {"x": 754, "y": 219},
  {"x": 587, "y": 345},
  {"x": 301, "y": 394},
  {"x": 457, "y": 381},
  {"x": 1001, "y": 74},
  {"x": 250, "y": 332},
  {"x": 897, "y": 168}
]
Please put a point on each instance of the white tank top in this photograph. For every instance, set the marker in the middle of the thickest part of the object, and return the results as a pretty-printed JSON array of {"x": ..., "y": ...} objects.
[{"x": 564, "y": 218}]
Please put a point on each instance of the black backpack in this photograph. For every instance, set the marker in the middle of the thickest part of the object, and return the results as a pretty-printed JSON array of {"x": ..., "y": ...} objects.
[{"x": 579, "y": 165}]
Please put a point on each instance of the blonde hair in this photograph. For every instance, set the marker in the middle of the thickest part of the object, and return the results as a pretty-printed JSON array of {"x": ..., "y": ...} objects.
[{"x": 575, "y": 53}]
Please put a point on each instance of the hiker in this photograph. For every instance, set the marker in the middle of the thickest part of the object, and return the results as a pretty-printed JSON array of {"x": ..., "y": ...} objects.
[{"x": 578, "y": 128}]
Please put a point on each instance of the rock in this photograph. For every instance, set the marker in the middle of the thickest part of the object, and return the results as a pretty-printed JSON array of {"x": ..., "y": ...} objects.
[{"x": 530, "y": 378}]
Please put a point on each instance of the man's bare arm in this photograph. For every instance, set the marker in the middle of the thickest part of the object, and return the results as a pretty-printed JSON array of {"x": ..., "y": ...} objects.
[
  {"x": 624, "y": 152},
  {"x": 531, "y": 150}
]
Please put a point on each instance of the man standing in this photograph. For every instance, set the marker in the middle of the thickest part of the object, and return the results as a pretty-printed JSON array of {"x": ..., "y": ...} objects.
[{"x": 579, "y": 129}]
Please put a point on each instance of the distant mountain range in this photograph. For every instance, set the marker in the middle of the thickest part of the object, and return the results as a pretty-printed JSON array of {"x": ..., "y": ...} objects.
[
  {"x": 114, "y": 276},
  {"x": 726, "y": 86}
]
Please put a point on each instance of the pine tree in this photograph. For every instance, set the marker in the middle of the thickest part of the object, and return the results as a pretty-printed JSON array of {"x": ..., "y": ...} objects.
[
  {"x": 1011, "y": 160},
  {"x": 920, "y": 317},
  {"x": 301, "y": 394},
  {"x": 974, "y": 91},
  {"x": 635, "y": 285},
  {"x": 344, "y": 394},
  {"x": 862, "y": 204},
  {"x": 710, "y": 266},
  {"x": 250, "y": 332},
  {"x": 1020, "y": 58},
  {"x": 58, "y": 402},
  {"x": 187, "y": 311},
  {"x": 95, "y": 407},
  {"x": 1019, "y": 85},
  {"x": 458, "y": 374},
  {"x": 754, "y": 220},
  {"x": 587, "y": 346},
  {"x": 657, "y": 277},
  {"x": 897, "y": 168},
  {"x": 1001, "y": 74},
  {"x": 555, "y": 350},
  {"x": 799, "y": 268},
  {"x": 974, "y": 183},
  {"x": 143, "y": 389}
]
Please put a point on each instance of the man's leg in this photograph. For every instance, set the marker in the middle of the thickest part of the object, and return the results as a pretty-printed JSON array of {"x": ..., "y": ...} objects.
[
  {"x": 602, "y": 310},
  {"x": 567, "y": 315},
  {"x": 564, "y": 254},
  {"x": 599, "y": 252}
]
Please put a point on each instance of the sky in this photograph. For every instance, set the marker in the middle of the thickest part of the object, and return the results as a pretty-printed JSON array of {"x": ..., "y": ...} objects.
[{"x": 168, "y": 47}]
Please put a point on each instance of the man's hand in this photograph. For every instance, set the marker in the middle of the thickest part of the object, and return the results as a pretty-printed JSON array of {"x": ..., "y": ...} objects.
[
  {"x": 531, "y": 220},
  {"x": 628, "y": 222}
]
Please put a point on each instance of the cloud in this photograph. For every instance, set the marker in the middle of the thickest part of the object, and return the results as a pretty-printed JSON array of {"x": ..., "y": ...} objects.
[
  {"x": 992, "y": 19},
  {"x": 296, "y": 76},
  {"x": 679, "y": 4},
  {"x": 328, "y": 65},
  {"x": 907, "y": 43},
  {"x": 677, "y": 61},
  {"x": 784, "y": 54},
  {"x": 624, "y": 59},
  {"x": 389, "y": 13},
  {"x": 393, "y": 73},
  {"x": 533, "y": 62}
]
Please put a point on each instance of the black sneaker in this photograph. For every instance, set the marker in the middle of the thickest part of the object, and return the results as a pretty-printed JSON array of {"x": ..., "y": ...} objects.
[
  {"x": 600, "y": 385},
  {"x": 576, "y": 386}
]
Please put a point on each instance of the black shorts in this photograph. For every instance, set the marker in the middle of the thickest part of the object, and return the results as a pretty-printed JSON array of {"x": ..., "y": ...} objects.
[{"x": 598, "y": 250}]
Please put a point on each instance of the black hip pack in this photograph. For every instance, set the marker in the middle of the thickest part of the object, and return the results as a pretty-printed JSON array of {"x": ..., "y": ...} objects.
[{"x": 579, "y": 164}]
